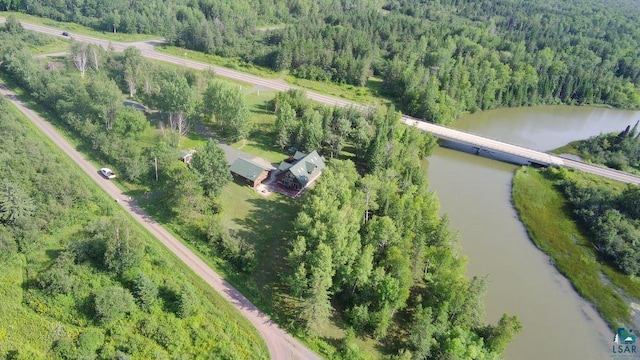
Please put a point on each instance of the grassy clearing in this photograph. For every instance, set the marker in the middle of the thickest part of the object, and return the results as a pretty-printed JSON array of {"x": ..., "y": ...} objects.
[
  {"x": 570, "y": 148},
  {"x": 547, "y": 217},
  {"x": 260, "y": 141},
  {"x": 266, "y": 223},
  {"x": 78, "y": 29},
  {"x": 55, "y": 46},
  {"x": 368, "y": 94}
]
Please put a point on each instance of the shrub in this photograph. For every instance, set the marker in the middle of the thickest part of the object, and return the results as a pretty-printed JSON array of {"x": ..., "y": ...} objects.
[{"x": 113, "y": 303}]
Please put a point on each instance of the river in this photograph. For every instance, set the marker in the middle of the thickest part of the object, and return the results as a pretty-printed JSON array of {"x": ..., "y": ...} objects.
[{"x": 475, "y": 192}]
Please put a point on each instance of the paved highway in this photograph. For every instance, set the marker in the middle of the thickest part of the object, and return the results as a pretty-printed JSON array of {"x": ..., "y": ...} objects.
[{"x": 147, "y": 49}]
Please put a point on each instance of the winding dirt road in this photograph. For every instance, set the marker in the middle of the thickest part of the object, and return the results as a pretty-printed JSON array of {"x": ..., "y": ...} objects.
[{"x": 281, "y": 345}]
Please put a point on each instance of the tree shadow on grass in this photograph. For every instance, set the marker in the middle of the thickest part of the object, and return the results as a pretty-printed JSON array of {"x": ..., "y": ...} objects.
[
  {"x": 262, "y": 109},
  {"x": 264, "y": 140},
  {"x": 269, "y": 227},
  {"x": 168, "y": 299}
]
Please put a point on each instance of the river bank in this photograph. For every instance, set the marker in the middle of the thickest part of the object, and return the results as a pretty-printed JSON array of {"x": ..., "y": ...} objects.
[{"x": 545, "y": 213}]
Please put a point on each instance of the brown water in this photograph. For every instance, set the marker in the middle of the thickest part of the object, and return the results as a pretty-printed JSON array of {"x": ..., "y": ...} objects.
[{"x": 475, "y": 193}]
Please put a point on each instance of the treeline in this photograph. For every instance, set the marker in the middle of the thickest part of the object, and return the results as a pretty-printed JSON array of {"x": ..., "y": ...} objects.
[
  {"x": 611, "y": 217},
  {"x": 437, "y": 59},
  {"x": 307, "y": 126},
  {"x": 619, "y": 151},
  {"x": 87, "y": 96},
  {"x": 78, "y": 280},
  {"x": 375, "y": 245}
]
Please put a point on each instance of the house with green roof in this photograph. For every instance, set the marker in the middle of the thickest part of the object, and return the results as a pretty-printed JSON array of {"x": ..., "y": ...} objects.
[
  {"x": 248, "y": 172},
  {"x": 300, "y": 171}
]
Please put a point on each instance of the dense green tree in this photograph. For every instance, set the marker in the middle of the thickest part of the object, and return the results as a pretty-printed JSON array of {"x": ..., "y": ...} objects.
[
  {"x": 421, "y": 329},
  {"x": 105, "y": 100},
  {"x": 178, "y": 100},
  {"x": 113, "y": 303},
  {"x": 12, "y": 24},
  {"x": 316, "y": 308},
  {"x": 184, "y": 192},
  {"x": 16, "y": 206},
  {"x": 130, "y": 123},
  {"x": 227, "y": 105},
  {"x": 285, "y": 124},
  {"x": 123, "y": 249},
  {"x": 212, "y": 168},
  {"x": 60, "y": 278},
  {"x": 188, "y": 303},
  {"x": 145, "y": 291},
  {"x": 499, "y": 336}
]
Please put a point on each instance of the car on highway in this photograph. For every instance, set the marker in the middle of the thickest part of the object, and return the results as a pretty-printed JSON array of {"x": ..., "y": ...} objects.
[
  {"x": 107, "y": 173},
  {"x": 65, "y": 33}
]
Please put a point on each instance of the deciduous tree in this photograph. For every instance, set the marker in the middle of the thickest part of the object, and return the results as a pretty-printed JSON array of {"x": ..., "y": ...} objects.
[
  {"x": 212, "y": 167},
  {"x": 113, "y": 303},
  {"x": 123, "y": 249}
]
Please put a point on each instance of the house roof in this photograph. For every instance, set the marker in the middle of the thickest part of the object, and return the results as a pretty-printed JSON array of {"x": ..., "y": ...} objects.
[
  {"x": 134, "y": 105},
  {"x": 307, "y": 168},
  {"x": 185, "y": 153},
  {"x": 247, "y": 168},
  {"x": 299, "y": 155}
]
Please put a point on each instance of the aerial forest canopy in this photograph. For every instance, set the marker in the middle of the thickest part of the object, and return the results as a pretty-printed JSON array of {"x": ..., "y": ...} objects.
[{"x": 436, "y": 58}]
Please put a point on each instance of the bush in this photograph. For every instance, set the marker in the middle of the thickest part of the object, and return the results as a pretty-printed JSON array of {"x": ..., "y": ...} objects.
[
  {"x": 113, "y": 303},
  {"x": 188, "y": 304},
  {"x": 89, "y": 342},
  {"x": 145, "y": 291}
]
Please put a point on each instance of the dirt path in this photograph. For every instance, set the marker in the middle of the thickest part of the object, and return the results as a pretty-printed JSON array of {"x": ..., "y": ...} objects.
[{"x": 281, "y": 345}]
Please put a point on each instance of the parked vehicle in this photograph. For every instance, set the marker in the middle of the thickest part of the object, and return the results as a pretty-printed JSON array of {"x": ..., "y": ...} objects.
[{"x": 107, "y": 173}]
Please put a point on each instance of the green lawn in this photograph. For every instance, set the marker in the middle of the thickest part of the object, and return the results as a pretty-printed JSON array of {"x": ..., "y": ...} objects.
[
  {"x": 266, "y": 223},
  {"x": 260, "y": 141},
  {"x": 547, "y": 217}
]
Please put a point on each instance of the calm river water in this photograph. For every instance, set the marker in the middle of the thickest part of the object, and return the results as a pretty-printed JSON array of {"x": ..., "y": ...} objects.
[{"x": 476, "y": 194}]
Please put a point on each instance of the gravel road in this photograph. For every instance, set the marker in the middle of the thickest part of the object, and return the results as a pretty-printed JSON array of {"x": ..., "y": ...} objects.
[{"x": 281, "y": 345}]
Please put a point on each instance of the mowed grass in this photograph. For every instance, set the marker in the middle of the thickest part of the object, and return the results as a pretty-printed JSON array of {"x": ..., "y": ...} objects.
[
  {"x": 547, "y": 217},
  {"x": 261, "y": 140},
  {"x": 73, "y": 28},
  {"x": 266, "y": 223}
]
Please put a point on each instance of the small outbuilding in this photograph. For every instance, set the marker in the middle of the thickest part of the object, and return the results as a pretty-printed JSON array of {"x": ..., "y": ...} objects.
[
  {"x": 186, "y": 155},
  {"x": 248, "y": 172}
]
